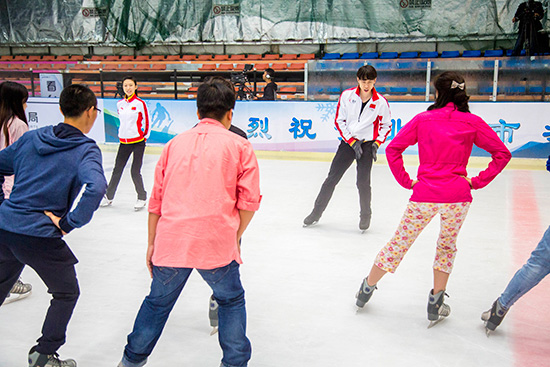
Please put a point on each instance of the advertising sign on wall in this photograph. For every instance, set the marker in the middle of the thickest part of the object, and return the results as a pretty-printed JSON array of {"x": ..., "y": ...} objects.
[
  {"x": 309, "y": 126},
  {"x": 45, "y": 111}
]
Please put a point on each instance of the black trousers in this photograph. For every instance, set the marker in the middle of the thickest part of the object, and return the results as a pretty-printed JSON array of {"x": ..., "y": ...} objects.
[
  {"x": 345, "y": 155},
  {"x": 122, "y": 156},
  {"x": 54, "y": 262}
]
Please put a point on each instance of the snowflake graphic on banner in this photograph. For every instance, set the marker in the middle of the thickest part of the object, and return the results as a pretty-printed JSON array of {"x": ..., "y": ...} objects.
[
  {"x": 328, "y": 109},
  {"x": 547, "y": 133}
]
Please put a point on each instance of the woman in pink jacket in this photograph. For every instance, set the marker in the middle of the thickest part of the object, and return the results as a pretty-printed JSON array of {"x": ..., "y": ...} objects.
[{"x": 445, "y": 135}]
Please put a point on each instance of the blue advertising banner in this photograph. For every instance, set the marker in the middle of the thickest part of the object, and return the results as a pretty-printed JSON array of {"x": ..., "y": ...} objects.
[{"x": 309, "y": 126}]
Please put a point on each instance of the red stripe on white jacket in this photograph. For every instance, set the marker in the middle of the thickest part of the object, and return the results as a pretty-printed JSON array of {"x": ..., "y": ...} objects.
[
  {"x": 374, "y": 123},
  {"x": 132, "y": 113}
]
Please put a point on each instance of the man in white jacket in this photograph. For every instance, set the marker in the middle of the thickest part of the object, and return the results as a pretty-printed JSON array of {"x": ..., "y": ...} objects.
[{"x": 363, "y": 120}]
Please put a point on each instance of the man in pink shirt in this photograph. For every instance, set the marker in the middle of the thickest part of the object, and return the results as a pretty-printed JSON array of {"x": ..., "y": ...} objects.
[{"x": 205, "y": 193}]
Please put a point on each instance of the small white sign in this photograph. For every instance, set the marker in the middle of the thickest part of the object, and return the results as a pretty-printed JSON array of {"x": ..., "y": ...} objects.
[{"x": 51, "y": 85}]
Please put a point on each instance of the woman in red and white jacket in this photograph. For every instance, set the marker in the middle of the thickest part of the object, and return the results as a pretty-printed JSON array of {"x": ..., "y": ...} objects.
[{"x": 133, "y": 133}]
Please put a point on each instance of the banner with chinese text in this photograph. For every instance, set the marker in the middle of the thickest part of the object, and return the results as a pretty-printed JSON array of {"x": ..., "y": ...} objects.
[{"x": 309, "y": 126}]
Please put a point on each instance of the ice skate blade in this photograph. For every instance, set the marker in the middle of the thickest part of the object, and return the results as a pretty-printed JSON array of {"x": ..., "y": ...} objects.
[
  {"x": 214, "y": 330},
  {"x": 310, "y": 225},
  {"x": 433, "y": 323},
  {"x": 363, "y": 231},
  {"x": 15, "y": 298},
  {"x": 487, "y": 332}
]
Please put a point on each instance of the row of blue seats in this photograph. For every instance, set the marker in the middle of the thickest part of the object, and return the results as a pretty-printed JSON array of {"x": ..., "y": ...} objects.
[
  {"x": 422, "y": 90},
  {"x": 415, "y": 54}
]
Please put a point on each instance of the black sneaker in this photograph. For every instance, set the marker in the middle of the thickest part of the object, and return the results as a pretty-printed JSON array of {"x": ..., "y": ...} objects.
[{"x": 48, "y": 360}]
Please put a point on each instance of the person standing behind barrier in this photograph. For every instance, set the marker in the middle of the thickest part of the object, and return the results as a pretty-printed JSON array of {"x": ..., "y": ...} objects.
[
  {"x": 363, "y": 120},
  {"x": 531, "y": 273},
  {"x": 529, "y": 14},
  {"x": 133, "y": 133},
  {"x": 205, "y": 194},
  {"x": 445, "y": 135},
  {"x": 270, "y": 90},
  {"x": 13, "y": 124}
]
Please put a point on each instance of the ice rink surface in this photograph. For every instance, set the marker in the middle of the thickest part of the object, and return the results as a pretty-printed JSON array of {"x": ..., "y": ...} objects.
[{"x": 300, "y": 282}]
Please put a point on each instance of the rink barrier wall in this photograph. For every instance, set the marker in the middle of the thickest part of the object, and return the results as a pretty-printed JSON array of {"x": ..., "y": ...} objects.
[
  {"x": 309, "y": 126},
  {"x": 410, "y": 160}
]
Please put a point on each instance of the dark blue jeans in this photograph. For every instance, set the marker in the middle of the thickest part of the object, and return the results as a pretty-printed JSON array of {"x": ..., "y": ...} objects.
[
  {"x": 54, "y": 262},
  {"x": 165, "y": 289}
]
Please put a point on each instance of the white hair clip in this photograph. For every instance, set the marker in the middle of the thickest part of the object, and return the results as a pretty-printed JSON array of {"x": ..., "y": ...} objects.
[{"x": 457, "y": 85}]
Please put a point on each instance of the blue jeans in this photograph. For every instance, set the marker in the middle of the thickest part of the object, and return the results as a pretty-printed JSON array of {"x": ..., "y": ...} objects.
[
  {"x": 536, "y": 268},
  {"x": 165, "y": 289}
]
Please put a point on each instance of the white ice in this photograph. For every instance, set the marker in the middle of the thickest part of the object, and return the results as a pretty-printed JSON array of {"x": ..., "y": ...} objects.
[{"x": 300, "y": 282}]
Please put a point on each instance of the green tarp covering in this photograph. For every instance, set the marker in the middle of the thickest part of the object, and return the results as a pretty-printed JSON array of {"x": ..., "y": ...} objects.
[{"x": 143, "y": 22}]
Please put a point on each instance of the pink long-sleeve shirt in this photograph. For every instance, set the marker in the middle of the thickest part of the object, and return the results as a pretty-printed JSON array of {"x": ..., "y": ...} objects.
[
  {"x": 203, "y": 178},
  {"x": 445, "y": 139},
  {"x": 16, "y": 128}
]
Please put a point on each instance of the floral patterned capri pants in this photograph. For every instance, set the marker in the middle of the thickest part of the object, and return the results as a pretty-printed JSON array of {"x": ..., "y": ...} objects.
[{"x": 416, "y": 218}]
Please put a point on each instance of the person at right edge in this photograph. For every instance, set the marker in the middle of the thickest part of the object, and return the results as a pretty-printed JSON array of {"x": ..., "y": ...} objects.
[
  {"x": 445, "y": 135},
  {"x": 363, "y": 120},
  {"x": 530, "y": 274}
]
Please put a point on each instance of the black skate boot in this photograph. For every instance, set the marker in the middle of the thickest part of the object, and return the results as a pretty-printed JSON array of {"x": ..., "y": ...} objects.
[
  {"x": 437, "y": 310},
  {"x": 312, "y": 219},
  {"x": 48, "y": 360},
  {"x": 364, "y": 223},
  {"x": 364, "y": 294},
  {"x": 213, "y": 314},
  {"x": 493, "y": 317}
]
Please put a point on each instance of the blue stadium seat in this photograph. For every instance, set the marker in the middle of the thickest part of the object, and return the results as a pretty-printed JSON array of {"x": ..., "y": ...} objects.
[
  {"x": 493, "y": 53},
  {"x": 383, "y": 65},
  {"x": 491, "y": 63},
  {"x": 409, "y": 55},
  {"x": 388, "y": 55},
  {"x": 538, "y": 90},
  {"x": 404, "y": 65},
  {"x": 450, "y": 54},
  {"x": 350, "y": 55},
  {"x": 331, "y": 56},
  {"x": 515, "y": 89},
  {"x": 418, "y": 90},
  {"x": 488, "y": 90},
  {"x": 383, "y": 89},
  {"x": 471, "y": 53},
  {"x": 369, "y": 55},
  {"x": 399, "y": 90},
  {"x": 509, "y": 53},
  {"x": 317, "y": 89},
  {"x": 333, "y": 90},
  {"x": 429, "y": 54}
]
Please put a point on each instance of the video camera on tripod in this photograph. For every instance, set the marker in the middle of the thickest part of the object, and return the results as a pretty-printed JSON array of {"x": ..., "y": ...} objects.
[{"x": 240, "y": 80}]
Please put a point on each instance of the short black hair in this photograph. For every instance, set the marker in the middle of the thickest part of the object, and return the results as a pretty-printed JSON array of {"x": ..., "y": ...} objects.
[
  {"x": 75, "y": 99},
  {"x": 215, "y": 97},
  {"x": 270, "y": 72},
  {"x": 366, "y": 72}
]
